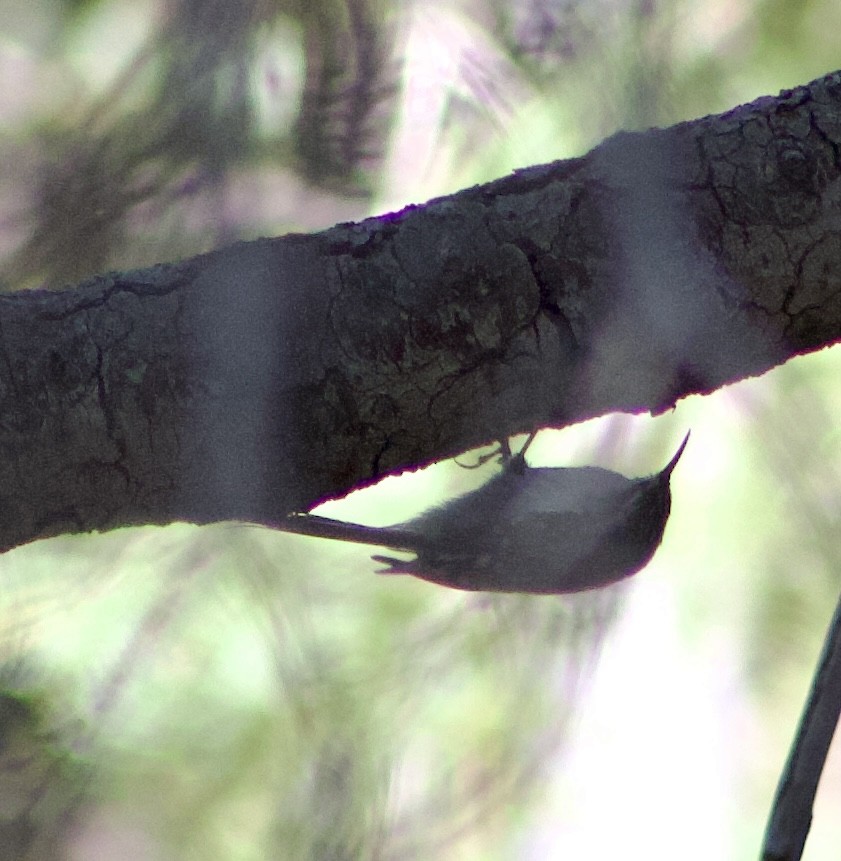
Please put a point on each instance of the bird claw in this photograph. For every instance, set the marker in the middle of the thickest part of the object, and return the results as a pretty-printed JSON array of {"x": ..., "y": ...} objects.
[{"x": 504, "y": 453}]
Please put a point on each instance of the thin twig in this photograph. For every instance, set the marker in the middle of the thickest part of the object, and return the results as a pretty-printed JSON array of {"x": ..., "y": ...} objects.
[{"x": 791, "y": 815}]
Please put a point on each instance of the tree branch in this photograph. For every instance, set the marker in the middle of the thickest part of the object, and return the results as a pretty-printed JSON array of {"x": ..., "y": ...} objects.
[
  {"x": 261, "y": 378},
  {"x": 791, "y": 816}
]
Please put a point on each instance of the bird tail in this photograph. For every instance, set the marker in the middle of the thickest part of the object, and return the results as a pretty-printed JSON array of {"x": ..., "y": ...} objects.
[{"x": 395, "y": 537}]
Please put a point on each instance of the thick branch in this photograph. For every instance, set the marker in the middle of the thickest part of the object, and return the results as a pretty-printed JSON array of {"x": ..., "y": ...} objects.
[{"x": 258, "y": 379}]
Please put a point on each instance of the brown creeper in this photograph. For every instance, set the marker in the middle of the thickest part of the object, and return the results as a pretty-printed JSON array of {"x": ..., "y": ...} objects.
[{"x": 543, "y": 530}]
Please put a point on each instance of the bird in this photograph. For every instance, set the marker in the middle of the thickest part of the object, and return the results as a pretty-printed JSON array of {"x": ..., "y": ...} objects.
[{"x": 528, "y": 530}]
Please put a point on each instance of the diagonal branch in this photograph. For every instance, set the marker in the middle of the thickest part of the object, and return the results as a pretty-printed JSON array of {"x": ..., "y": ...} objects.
[
  {"x": 261, "y": 378},
  {"x": 791, "y": 816}
]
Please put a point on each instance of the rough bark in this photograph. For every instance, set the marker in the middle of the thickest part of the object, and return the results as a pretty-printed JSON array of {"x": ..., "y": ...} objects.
[{"x": 261, "y": 378}]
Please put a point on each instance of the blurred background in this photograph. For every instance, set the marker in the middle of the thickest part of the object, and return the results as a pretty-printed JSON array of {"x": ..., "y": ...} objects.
[{"x": 233, "y": 693}]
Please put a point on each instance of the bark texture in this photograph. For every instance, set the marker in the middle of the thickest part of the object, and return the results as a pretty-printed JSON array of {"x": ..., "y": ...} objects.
[{"x": 262, "y": 378}]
